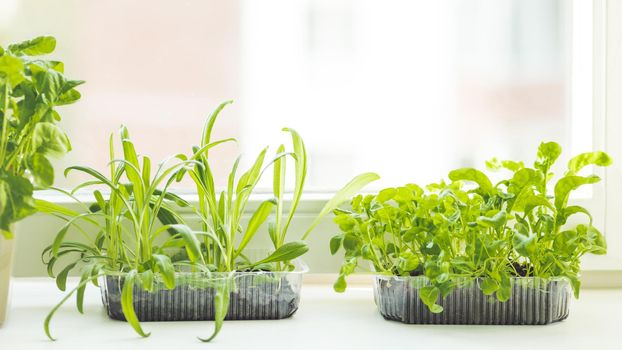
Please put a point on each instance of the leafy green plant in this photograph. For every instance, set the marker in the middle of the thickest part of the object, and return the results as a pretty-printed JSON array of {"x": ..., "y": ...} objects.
[
  {"x": 126, "y": 228},
  {"x": 122, "y": 230},
  {"x": 30, "y": 90},
  {"x": 223, "y": 249},
  {"x": 471, "y": 229}
]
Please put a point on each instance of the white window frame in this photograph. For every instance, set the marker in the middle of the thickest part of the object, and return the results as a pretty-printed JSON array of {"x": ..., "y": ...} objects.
[{"x": 608, "y": 105}]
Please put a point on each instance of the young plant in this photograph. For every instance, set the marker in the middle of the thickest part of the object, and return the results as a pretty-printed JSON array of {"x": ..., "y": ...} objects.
[
  {"x": 127, "y": 233},
  {"x": 123, "y": 233},
  {"x": 30, "y": 90},
  {"x": 468, "y": 229},
  {"x": 220, "y": 214}
]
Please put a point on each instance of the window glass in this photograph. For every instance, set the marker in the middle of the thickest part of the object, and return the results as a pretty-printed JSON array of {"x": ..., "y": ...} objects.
[{"x": 409, "y": 89}]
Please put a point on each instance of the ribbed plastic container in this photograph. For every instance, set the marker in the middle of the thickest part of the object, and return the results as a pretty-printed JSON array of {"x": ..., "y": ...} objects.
[
  {"x": 534, "y": 301},
  {"x": 254, "y": 296}
]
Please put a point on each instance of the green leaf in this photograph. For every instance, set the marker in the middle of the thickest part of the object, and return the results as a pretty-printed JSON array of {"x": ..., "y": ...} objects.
[
  {"x": 41, "y": 170},
  {"x": 286, "y": 252},
  {"x": 209, "y": 125},
  {"x": 347, "y": 268},
  {"x": 166, "y": 269},
  {"x": 258, "y": 218},
  {"x": 48, "y": 138},
  {"x": 127, "y": 303},
  {"x": 505, "y": 289},
  {"x": 335, "y": 244},
  {"x": 147, "y": 280},
  {"x": 343, "y": 195},
  {"x": 38, "y": 46},
  {"x": 86, "y": 276},
  {"x": 563, "y": 216},
  {"x": 61, "y": 279},
  {"x": 591, "y": 158},
  {"x": 596, "y": 240},
  {"x": 525, "y": 245},
  {"x": 489, "y": 285},
  {"x": 386, "y": 195},
  {"x": 474, "y": 175},
  {"x": 16, "y": 200},
  {"x": 48, "y": 318},
  {"x": 221, "y": 306},
  {"x": 526, "y": 177},
  {"x": 548, "y": 152},
  {"x": 300, "y": 166},
  {"x": 11, "y": 70},
  {"x": 569, "y": 183},
  {"x": 497, "y": 221},
  {"x": 68, "y": 97},
  {"x": 527, "y": 200},
  {"x": 429, "y": 295},
  {"x": 193, "y": 247}
]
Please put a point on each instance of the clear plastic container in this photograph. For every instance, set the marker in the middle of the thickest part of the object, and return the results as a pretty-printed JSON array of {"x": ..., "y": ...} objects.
[
  {"x": 534, "y": 301},
  {"x": 254, "y": 296}
]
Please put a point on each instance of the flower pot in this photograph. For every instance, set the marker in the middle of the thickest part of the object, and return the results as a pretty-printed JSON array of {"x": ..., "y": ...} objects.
[
  {"x": 534, "y": 301},
  {"x": 6, "y": 263},
  {"x": 254, "y": 296}
]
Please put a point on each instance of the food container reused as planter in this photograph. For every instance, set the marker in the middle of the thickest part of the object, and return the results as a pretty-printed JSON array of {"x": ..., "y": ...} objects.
[
  {"x": 6, "y": 259},
  {"x": 259, "y": 295},
  {"x": 534, "y": 301}
]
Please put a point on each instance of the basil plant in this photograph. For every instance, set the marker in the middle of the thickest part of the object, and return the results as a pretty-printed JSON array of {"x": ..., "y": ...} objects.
[{"x": 31, "y": 88}]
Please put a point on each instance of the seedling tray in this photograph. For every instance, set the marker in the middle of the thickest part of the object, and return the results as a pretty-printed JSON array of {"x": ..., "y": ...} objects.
[
  {"x": 254, "y": 296},
  {"x": 534, "y": 301}
]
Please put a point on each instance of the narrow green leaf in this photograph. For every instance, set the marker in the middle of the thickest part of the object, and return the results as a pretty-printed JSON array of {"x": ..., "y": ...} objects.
[
  {"x": 343, "y": 195},
  {"x": 258, "y": 218},
  {"x": 127, "y": 303},
  {"x": 48, "y": 318},
  {"x": 209, "y": 125},
  {"x": 286, "y": 252},
  {"x": 166, "y": 269},
  {"x": 61, "y": 279},
  {"x": 221, "y": 306},
  {"x": 300, "y": 158},
  {"x": 193, "y": 247}
]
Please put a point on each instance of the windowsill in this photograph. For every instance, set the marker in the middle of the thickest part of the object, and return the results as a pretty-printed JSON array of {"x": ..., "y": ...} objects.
[{"x": 325, "y": 319}]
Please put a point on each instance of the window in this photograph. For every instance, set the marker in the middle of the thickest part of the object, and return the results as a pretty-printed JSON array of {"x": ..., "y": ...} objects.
[{"x": 409, "y": 89}]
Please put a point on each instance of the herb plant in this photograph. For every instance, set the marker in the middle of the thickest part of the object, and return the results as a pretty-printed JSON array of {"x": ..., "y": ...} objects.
[
  {"x": 135, "y": 232},
  {"x": 30, "y": 90},
  {"x": 120, "y": 231},
  {"x": 469, "y": 229},
  {"x": 220, "y": 214}
]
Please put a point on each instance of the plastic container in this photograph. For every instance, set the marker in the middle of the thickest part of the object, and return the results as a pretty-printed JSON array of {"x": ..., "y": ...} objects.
[
  {"x": 6, "y": 262},
  {"x": 254, "y": 296},
  {"x": 534, "y": 301}
]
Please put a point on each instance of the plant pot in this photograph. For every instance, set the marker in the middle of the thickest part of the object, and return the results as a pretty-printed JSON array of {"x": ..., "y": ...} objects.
[
  {"x": 534, "y": 301},
  {"x": 254, "y": 296},
  {"x": 6, "y": 263}
]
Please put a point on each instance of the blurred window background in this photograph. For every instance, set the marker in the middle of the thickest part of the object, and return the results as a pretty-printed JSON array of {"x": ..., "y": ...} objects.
[{"x": 409, "y": 89}]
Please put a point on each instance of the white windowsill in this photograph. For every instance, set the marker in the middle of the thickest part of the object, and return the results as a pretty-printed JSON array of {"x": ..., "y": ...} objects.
[{"x": 325, "y": 320}]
